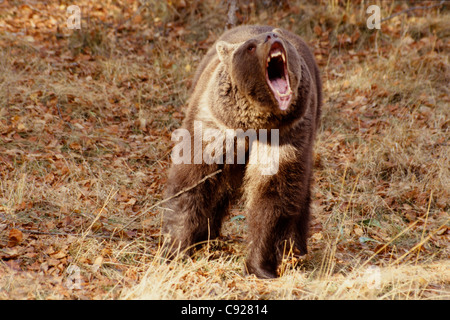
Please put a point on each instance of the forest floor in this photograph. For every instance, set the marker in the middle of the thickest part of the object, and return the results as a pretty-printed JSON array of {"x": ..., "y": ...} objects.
[{"x": 86, "y": 118}]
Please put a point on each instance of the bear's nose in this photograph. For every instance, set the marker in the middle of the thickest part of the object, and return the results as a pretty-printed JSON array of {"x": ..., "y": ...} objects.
[{"x": 270, "y": 36}]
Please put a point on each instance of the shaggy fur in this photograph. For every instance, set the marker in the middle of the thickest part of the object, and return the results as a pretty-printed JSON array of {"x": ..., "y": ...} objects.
[{"x": 231, "y": 91}]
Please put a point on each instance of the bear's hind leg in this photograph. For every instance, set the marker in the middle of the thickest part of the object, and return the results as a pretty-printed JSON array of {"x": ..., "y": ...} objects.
[{"x": 195, "y": 216}]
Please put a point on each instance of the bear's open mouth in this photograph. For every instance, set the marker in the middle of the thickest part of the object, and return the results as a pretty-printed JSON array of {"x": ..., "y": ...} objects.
[{"x": 277, "y": 75}]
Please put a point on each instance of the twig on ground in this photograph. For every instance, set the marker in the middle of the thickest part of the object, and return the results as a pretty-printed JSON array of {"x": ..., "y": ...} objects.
[
  {"x": 171, "y": 197},
  {"x": 98, "y": 236},
  {"x": 411, "y": 9}
]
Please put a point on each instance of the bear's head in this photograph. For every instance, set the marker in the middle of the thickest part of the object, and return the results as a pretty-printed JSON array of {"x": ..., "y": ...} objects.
[{"x": 265, "y": 69}]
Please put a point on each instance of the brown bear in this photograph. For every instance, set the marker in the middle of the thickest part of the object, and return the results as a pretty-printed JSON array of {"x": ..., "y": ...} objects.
[{"x": 253, "y": 78}]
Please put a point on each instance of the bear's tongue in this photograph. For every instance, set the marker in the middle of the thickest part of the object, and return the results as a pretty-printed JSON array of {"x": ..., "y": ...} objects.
[
  {"x": 277, "y": 76},
  {"x": 280, "y": 85}
]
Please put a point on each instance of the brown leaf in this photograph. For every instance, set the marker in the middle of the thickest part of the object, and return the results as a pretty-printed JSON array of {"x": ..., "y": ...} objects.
[
  {"x": 67, "y": 221},
  {"x": 358, "y": 231},
  {"x": 97, "y": 226},
  {"x": 382, "y": 249},
  {"x": 131, "y": 202},
  {"x": 443, "y": 230},
  {"x": 52, "y": 262},
  {"x": 9, "y": 253},
  {"x": 106, "y": 252},
  {"x": 318, "y": 30},
  {"x": 15, "y": 237},
  {"x": 13, "y": 264},
  {"x": 75, "y": 146},
  {"x": 97, "y": 263},
  {"x": 355, "y": 36},
  {"x": 58, "y": 255},
  {"x": 49, "y": 177}
]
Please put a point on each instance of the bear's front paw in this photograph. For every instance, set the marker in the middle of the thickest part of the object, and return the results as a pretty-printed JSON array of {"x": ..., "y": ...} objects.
[{"x": 260, "y": 271}]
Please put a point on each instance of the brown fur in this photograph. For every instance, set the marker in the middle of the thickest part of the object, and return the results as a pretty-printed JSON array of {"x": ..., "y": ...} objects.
[{"x": 230, "y": 91}]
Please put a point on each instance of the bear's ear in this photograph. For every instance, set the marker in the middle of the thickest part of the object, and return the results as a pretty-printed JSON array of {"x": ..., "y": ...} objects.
[
  {"x": 278, "y": 31},
  {"x": 225, "y": 49}
]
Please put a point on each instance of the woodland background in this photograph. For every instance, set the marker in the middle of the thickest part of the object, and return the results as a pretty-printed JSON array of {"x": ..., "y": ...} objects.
[{"x": 85, "y": 136}]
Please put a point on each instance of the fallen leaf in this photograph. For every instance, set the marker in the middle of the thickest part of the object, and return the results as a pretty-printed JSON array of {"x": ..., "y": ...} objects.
[
  {"x": 358, "y": 231},
  {"x": 131, "y": 202},
  {"x": 97, "y": 263},
  {"x": 381, "y": 249},
  {"x": 75, "y": 146},
  {"x": 318, "y": 30},
  {"x": 106, "y": 252},
  {"x": 9, "y": 253},
  {"x": 21, "y": 127},
  {"x": 15, "y": 237},
  {"x": 58, "y": 255}
]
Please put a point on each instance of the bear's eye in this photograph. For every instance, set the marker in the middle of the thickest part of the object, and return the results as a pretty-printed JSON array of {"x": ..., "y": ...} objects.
[{"x": 251, "y": 48}]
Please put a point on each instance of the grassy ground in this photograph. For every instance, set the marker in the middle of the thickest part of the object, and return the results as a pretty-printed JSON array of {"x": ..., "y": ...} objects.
[{"x": 85, "y": 123}]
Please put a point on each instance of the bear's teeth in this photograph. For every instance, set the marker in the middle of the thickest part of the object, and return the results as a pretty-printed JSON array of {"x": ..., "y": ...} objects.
[
  {"x": 284, "y": 94},
  {"x": 275, "y": 54}
]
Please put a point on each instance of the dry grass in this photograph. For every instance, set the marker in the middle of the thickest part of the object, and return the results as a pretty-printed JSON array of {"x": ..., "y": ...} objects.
[
  {"x": 221, "y": 278},
  {"x": 85, "y": 123}
]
